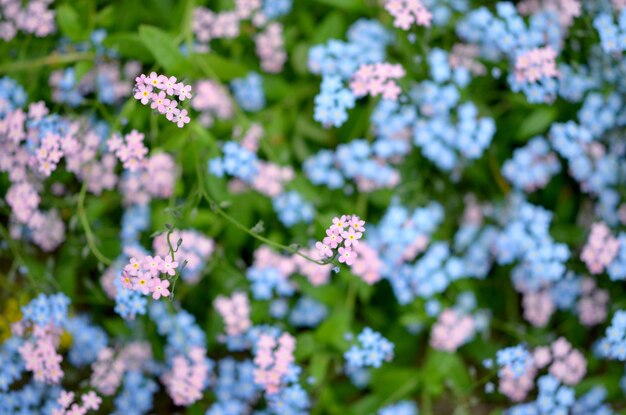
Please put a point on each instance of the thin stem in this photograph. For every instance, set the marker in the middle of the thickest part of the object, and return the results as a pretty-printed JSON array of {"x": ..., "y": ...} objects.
[
  {"x": 18, "y": 256},
  {"x": 80, "y": 210},
  {"x": 53, "y": 59},
  {"x": 217, "y": 209}
]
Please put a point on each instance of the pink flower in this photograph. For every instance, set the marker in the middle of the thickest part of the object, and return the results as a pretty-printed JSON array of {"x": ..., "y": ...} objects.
[
  {"x": 91, "y": 401},
  {"x": 181, "y": 119},
  {"x": 184, "y": 92},
  {"x": 144, "y": 94},
  {"x": 351, "y": 237},
  {"x": 126, "y": 280},
  {"x": 323, "y": 249},
  {"x": 142, "y": 282},
  {"x": 339, "y": 223},
  {"x": 346, "y": 255},
  {"x": 168, "y": 266},
  {"x": 171, "y": 111},
  {"x": 66, "y": 398},
  {"x": 134, "y": 267},
  {"x": 170, "y": 85},
  {"x": 154, "y": 81},
  {"x": 159, "y": 288},
  {"x": 160, "y": 102}
]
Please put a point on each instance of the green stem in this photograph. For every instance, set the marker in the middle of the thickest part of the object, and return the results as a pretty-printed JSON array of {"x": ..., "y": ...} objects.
[
  {"x": 53, "y": 59},
  {"x": 217, "y": 209},
  {"x": 80, "y": 210},
  {"x": 18, "y": 256}
]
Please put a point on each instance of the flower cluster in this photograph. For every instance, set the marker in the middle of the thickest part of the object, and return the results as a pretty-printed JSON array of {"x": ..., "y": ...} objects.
[
  {"x": 371, "y": 350},
  {"x": 145, "y": 275},
  {"x": 532, "y": 166},
  {"x": 89, "y": 401},
  {"x": 213, "y": 101},
  {"x": 163, "y": 94},
  {"x": 248, "y": 92},
  {"x": 377, "y": 79},
  {"x": 342, "y": 238},
  {"x": 452, "y": 330},
  {"x": 273, "y": 359},
  {"x": 191, "y": 247},
  {"x": 35, "y": 18},
  {"x": 600, "y": 249},
  {"x": 188, "y": 377},
  {"x": 408, "y": 12},
  {"x": 130, "y": 149},
  {"x": 235, "y": 311},
  {"x": 270, "y": 48}
]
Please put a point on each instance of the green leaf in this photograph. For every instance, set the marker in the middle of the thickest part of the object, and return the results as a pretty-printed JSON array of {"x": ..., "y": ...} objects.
[
  {"x": 69, "y": 22},
  {"x": 164, "y": 50},
  {"x": 213, "y": 65},
  {"x": 333, "y": 26},
  {"x": 331, "y": 331},
  {"x": 343, "y": 4},
  {"x": 129, "y": 45},
  {"x": 537, "y": 122}
]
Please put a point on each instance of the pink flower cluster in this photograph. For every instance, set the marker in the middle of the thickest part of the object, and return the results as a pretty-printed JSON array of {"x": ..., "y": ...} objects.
[
  {"x": 517, "y": 387},
  {"x": 39, "y": 352},
  {"x": 466, "y": 56},
  {"x": 161, "y": 93},
  {"x": 566, "y": 10},
  {"x": 535, "y": 64},
  {"x": 144, "y": 275},
  {"x": 108, "y": 369},
  {"x": 270, "y": 48},
  {"x": 155, "y": 179},
  {"x": 35, "y": 18},
  {"x": 568, "y": 364},
  {"x": 593, "y": 302},
  {"x": 90, "y": 401},
  {"x": 408, "y": 12},
  {"x": 367, "y": 265},
  {"x": 195, "y": 249},
  {"x": 538, "y": 307},
  {"x": 452, "y": 330},
  {"x": 208, "y": 25},
  {"x": 235, "y": 311},
  {"x": 272, "y": 360},
  {"x": 343, "y": 235},
  {"x": 377, "y": 79},
  {"x": 130, "y": 149},
  {"x": 188, "y": 377},
  {"x": 212, "y": 100},
  {"x": 600, "y": 249}
]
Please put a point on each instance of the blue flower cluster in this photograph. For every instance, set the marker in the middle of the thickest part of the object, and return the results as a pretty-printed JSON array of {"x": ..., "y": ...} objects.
[
  {"x": 400, "y": 408},
  {"x": 594, "y": 166},
  {"x": 267, "y": 280},
  {"x": 333, "y": 102},
  {"x": 87, "y": 340},
  {"x": 47, "y": 309},
  {"x": 613, "y": 344},
  {"x": 12, "y": 95},
  {"x": 506, "y": 33},
  {"x": 350, "y": 161},
  {"x": 337, "y": 61},
  {"x": 526, "y": 237},
  {"x": 135, "y": 220},
  {"x": 516, "y": 358},
  {"x": 532, "y": 166},
  {"x": 292, "y": 208},
  {"x": 11, "y": 363},
  {"x": 617, "y": 269},
  {"x": 33, "y": 398},
  {"x": 307, "y": 313},
  {"x": 556, "y": 399},
  {"x": 441, "y": 125},
  {"x": 128, "y": 303},
  {"x": 180, "y": 329},
  {"x": 371, "y": 350},
  {"x": 237, "y": 161},
  {"x": 136, "y": 396},
  {"x": 248, "y": 92},
  {"x": 276, "y": 8},
  {"x": 612, "y": 36},
  {"x": 292, "y": 400}
]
